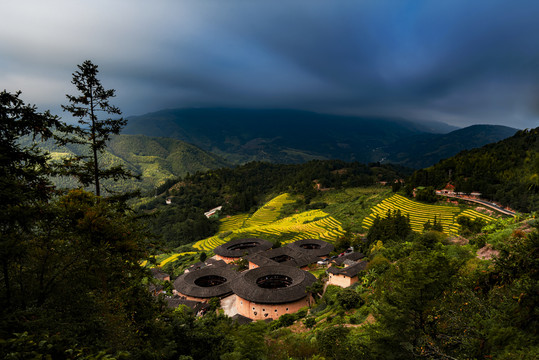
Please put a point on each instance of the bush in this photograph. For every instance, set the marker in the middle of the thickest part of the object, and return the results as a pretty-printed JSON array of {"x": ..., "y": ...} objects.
[
  {"x": 379, "y": 264},
  {"x": 479, "y": 241},
  {"x": 203, "y": 256},
  {"x": 331, "y": 294},
  {"x": 309, "y": 322},
  {"x": 321, "y": 307},
  {"x": 284, "y": 321},
  {"x": 350, "y": 299}
]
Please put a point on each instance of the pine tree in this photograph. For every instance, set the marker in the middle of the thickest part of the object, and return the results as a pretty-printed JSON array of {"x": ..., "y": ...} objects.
[
  {"x": 92, "y": 131},
  {"x": 24, "y": 186}
]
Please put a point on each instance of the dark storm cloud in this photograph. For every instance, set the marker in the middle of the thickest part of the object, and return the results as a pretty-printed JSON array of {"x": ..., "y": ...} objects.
[{"x": 456, "y": 61}]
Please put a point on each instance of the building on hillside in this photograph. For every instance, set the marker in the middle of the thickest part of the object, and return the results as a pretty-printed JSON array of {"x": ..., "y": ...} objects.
[
  {"x": 448, "y": 190},
  {"x": 202, "y": 264},
  {"x": 158, "y": 274},
  {"x": 267, "y": 292},
  {"x": 284, "y": 255},
  {"x": 155, "y": 289},
  {"x": 206, "y": 283},
  {"x": 353, "y": 256},
  {"x": 346, "y": 276},
  {"x": 212, "y": 212},
  {"x": 197, "y": 307},
  {"x": 235, "y": 249},
  {"x": 314, "y": 247}
]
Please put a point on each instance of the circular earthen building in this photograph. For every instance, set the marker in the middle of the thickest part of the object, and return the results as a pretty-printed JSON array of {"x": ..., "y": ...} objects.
[
  {"x": 206, "y": 283},
  {"x": 272, "y": 291},
  {"x": 235, "y": 249},
  {"x": 314, "y": 247}
]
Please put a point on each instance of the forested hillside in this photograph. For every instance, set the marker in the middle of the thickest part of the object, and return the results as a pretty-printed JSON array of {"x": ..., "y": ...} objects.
[
  {"x": 154, "y": 159},
  {"x": 506, "y": 171},
  {"x": 424, "y": 150}
]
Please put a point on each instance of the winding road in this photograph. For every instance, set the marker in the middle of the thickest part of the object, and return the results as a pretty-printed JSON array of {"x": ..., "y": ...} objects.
[{"x": 482, "y": 202}]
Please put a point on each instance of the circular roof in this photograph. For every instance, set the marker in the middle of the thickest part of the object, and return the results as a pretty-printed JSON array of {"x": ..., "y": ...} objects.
[
  {"x": 273, "y": 284},
  {"x": 312, "y": 247},
  {"x": 208, "y": 282},
  {"x": 240, "y": 247}
]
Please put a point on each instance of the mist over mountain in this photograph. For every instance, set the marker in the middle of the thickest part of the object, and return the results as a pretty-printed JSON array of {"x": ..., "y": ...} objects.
[{"x": 294, "y": 136}]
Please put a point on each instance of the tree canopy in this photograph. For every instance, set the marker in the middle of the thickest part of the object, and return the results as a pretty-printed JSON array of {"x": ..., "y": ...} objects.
[{"x": 92, "y": 130}]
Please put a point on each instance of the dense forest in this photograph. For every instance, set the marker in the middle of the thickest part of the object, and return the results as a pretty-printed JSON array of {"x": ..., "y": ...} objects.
[
  {"x": 243, "y": 188},
  {"x": 506, "y": 171}
]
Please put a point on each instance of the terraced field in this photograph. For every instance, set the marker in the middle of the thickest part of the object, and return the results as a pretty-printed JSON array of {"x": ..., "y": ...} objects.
[
  {"x": 420, "y": 213},
  {"x": 232, "y": 222},
  {"x": 269, "y": 212},
  {"x": 263, "y": 223}
]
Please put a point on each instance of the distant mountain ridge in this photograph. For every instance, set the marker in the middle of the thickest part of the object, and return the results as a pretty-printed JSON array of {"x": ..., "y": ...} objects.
[
  {"x": 424, "y": 150},
  {"x": 294, "y": 136}
]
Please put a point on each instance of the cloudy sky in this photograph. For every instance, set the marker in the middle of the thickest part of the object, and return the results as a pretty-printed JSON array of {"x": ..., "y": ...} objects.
[{"x": 457, "y": 61}]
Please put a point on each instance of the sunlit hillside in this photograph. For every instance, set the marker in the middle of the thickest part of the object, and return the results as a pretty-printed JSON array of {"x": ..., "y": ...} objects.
[
  {"x": 420, "y": 213},
  {"x": 265, "y": 223}
]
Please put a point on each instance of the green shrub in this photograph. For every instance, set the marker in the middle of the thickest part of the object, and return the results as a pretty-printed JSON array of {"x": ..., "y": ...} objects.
[
  {"x": 350, "y": 299},
  {"x": 309, "y": 322},
  {"x": 379, "y": 264}
]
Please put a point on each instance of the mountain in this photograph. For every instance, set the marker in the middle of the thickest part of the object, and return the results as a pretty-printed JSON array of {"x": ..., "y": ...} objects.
[
  {"x": 424, "y": 150},
  {"x": 506, "y": 171},
  {"x": 155, "y": 159},
  {"x": 281, "y": 136},
  {"x": 293, "y": 136}
]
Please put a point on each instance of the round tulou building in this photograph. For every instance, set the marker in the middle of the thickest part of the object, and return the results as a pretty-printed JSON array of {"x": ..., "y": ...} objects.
[
  {"x": 268, "y": 292},
  {"x": 206, "y": 283},
  {"x": 235, "y": 249},
  {"x": 314, "y": 247}
]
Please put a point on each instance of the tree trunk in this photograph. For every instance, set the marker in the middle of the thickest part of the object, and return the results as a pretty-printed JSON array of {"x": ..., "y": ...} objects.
[{"x": 94, "y": 146}]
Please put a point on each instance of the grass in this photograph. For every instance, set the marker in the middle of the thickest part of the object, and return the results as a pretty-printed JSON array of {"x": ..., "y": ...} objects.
[{"x": 351, "y": 206}]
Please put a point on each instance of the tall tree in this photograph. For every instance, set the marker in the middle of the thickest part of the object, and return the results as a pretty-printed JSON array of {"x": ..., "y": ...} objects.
[
  {"x": 24, "y": 186},
  {"x": 92, "y": 131}
]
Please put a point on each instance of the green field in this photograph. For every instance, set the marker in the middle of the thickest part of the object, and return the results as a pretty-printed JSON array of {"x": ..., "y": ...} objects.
[
  {"x": 265, "y": 223},
  {"x": 420, "y": 213}
]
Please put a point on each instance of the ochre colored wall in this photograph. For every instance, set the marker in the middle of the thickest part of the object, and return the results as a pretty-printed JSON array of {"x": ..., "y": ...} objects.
[
  {"x": 228, "y": 260},
  {"x": 341, "y": 280},
  {"x": 268, "y": 311}
]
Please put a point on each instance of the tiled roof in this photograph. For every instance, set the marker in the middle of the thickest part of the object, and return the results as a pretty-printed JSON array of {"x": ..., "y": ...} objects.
[
  {"x": 319, "y": 248},
  {"x": 354, "y": 256},
  {"x": 158, "y": 273},
  {"x": 234, "y": 248},
  {"x": 284, "y": 256},
  {"x": 349, "y": 271},
  {"x": 247, "y": 288},
  {"x": 186, "y": 285}
]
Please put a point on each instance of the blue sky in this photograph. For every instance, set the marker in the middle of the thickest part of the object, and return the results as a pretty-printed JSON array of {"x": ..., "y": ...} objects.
[{"x": 460, "y": 62}]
